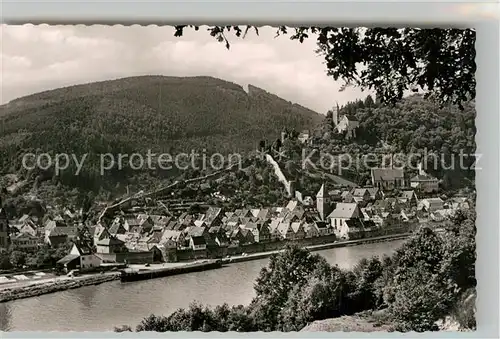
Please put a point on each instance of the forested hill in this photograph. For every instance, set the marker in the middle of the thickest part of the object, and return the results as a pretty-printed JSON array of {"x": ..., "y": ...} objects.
[
  {"x": 164, "y": 114},
  {"x": 151, "y": 112},
  {"x": 416, "y": 126},
  {"x": 417, "y": 123}
]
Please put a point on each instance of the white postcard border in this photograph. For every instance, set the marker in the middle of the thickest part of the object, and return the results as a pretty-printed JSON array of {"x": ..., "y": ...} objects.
[{"x": 482, "y": 15}]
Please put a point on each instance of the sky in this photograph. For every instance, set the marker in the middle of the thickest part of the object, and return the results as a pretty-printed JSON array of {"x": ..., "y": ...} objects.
[{"x": 38, "y": 58}]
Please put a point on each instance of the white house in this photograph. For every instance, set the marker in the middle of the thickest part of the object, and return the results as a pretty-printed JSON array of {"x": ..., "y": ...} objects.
[
  {"x": 87, "y": 258},
  {"x": 80, "y": 257},
  {"x": 425, "y": 183},
  {"x": 431, "y": 204},
  {"x": 347, "y": 125},
  {"x": 198, "y": 243},
  {"x": 342, "y": 213}
]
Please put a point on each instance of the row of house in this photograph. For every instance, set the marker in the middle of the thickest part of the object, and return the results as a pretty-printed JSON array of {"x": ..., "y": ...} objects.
[
  {"x": 342, "y": 213},
  {"x": 339, "y": 213},
  {"x": 162, "y": 238}
]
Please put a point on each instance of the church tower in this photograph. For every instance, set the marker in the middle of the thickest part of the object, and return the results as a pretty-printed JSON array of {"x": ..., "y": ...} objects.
[
  {"x": 4, "y": 227},
  {"x": 322, "y": 203}
]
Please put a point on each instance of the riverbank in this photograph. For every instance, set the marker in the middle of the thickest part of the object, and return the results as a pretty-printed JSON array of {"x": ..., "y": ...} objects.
[
  {"x": 65, "y": 283},
  {"x": 54, "y": 285},
  {"x": 90, "y": 309},
  {"x": 314, "y": 248}
]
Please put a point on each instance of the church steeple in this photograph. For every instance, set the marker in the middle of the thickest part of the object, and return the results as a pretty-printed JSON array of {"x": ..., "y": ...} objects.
[{"x": 322, "y": 204}]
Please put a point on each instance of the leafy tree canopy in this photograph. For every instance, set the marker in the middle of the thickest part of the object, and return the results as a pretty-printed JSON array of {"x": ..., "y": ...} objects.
[{"x": 390, "y": 61}]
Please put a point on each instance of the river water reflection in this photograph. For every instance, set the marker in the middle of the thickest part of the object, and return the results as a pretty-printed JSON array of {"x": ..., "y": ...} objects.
[{"x": 100, "y": 308}]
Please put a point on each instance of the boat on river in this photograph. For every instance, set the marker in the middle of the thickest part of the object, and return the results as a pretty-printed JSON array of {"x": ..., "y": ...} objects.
[{"x": 129, "y": 274}]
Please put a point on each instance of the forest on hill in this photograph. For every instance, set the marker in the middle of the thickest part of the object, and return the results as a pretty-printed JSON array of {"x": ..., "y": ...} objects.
[
  {"x": 409, "y": 131},
  {"x": 167, "y": 114},
  {"x": 133, "y": 115},
  {"x": 414, "y": 126}
]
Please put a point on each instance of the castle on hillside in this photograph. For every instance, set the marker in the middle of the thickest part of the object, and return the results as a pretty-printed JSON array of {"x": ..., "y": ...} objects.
[{"x": 343, "y": 123}]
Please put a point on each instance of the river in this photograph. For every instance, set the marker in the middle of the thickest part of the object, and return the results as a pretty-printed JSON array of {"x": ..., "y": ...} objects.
[{"x": 100, "y": 308}]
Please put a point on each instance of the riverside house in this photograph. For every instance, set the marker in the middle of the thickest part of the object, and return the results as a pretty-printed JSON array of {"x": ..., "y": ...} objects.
[
  {"x": 286, "y": 231},
  {"x": 110, "y": 245},
  {"x": 80, "y": 256},
  {"x": 196, "y": 237},
  {"x": 298, "y": 230},
  {"x": 60, "y": 234},
  {"x": 340, "y": 215}
]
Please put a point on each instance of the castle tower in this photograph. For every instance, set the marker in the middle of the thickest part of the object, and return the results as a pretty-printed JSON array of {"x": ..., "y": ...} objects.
[
  {"x": 322, "y": 203},
  {"x": 335, "y": 115}
]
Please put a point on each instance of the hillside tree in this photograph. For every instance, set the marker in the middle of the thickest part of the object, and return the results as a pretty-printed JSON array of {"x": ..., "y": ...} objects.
[{"x": 390, "y": 61}]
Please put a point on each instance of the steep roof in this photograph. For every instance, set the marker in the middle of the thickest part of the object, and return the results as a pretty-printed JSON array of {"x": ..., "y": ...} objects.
[
  {"x": 212, "y": 213},
  {"x": 275, "y": 223},
  {"x": 69, "y": 231},
  {"x": 283, "y": 227},
  {"x": 354, "y": 224},
  {"x": 292, "y": 204},
  {"x": 55, "y": 223},
  {"x": 67, "y": 259},
  {"x": 407, "y": 194},
  {"x": 263, "y": 213},
  {"x": 345, "y": 194},
  {"x": 296, "y": 226},
  {"x": 24, "y": 218},
  {"x": 359, "y": 192},
  {"x": 169, "y": 234},
  {"x": 196, "y": 231},
  {"x": 344, "y": 211},
  {"x": 133, "y": 222},
  {"x": 23, "y": 235},
  {"x": 321, "y": 192},
  {"x": 82, "y": 248},
  {"x": 109, "y": 242},
  {"x": 387, "y": 174},
  {"x": 115, "y": 228},
  {"x": 425, "y": 177}
]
